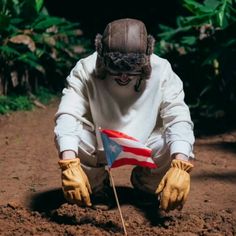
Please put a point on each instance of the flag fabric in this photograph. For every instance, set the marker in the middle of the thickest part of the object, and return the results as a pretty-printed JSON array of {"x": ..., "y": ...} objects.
[{"x": 121, "y": 149}]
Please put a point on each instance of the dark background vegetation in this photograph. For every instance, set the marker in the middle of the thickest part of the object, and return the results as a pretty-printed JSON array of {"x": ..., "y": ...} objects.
[
  {"x": 94, "y": 16},
  {"x": 40, "y": 42}
]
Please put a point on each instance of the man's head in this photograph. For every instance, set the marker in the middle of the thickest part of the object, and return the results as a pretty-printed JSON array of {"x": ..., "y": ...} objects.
[{"x": 124, "y": 51}]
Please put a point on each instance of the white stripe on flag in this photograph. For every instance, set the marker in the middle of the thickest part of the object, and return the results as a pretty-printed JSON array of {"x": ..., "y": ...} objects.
[
  {"x": 130, "y": 155},
  {"x": 128, "y": 143}
]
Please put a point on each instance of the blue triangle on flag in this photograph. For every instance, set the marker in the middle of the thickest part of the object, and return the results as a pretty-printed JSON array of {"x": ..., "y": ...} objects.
[{"x": 111, "y": 148}]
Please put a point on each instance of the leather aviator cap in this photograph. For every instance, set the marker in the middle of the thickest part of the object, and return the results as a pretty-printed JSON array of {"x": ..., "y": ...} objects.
[
  {"x": 124, "y": 47},
  {"x": 125, "y": 36}
]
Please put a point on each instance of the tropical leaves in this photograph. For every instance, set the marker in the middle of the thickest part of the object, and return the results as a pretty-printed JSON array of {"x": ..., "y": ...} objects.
[
  {"x": 34, "y": 43},
  {"x": 202, "y": 49}
]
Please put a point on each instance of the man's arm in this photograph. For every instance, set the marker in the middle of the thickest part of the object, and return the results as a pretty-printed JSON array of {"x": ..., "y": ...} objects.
[
  {"x": 67, "y": 136},
  {"x": 68, "y": 155},
  {"x": 68, "y": 129},
  {"x": 178, "y": 127}
]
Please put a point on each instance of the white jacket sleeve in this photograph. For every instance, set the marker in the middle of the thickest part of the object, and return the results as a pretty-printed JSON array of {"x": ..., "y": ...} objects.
[
  {"x": 73, "y": 111},
  {"x": 67, "y": 132},
  {"x": 176, "y": 115}
]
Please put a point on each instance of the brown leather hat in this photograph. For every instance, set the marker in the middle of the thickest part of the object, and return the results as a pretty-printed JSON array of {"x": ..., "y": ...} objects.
[
  {"x": 125, "y": 47},
  {"x": 125, "y": 36}
]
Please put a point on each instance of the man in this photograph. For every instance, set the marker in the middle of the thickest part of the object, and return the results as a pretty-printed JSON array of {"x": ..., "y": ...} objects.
[{"x": 125, "y": 87}]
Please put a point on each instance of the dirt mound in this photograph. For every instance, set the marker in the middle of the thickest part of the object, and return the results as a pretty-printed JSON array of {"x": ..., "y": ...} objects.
[{"x": 73, "y": 220}]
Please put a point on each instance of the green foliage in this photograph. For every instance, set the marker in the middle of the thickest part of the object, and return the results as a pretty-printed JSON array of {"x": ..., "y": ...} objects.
[
  {"x": 38, "y": 48},
  {"x": 202, "y": 50},
  {"x": 44, "y": 95},
  {"x": 14, "y": 103}
]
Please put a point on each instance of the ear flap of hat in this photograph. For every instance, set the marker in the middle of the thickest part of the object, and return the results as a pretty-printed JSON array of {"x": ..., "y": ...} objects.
[
  {"x": 98, "y": 44},
  {"x": 150, "y": 44}
]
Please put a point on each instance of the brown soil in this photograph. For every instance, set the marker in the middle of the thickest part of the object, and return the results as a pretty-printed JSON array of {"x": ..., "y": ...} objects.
[{"x": 31, "y": 201}]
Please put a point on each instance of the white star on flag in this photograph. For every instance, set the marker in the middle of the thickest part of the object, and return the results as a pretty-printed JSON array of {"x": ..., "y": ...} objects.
[{"x": 112, "y": 148}]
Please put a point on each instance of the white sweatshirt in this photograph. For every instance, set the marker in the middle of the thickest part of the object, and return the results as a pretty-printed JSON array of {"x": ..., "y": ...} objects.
[{"x": 103, "y": 103}]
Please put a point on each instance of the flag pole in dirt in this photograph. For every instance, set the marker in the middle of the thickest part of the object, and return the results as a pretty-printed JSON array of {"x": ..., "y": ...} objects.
[
  {"x": 117, "y": 200},
  {"x": 122, "y": 149}
]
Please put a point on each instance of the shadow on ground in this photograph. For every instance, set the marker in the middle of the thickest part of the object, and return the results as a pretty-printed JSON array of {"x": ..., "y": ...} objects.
[
  {"x": 47, "y": 203},
  {"x": 219, "y": 146},
  {"x": 147, "y": 203},
  {"x": 227, "y": 146},
  {"x": 229, "y": 176}
]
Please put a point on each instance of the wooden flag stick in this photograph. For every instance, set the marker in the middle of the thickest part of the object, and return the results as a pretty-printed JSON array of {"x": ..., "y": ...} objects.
[{"x": 117, "y": 201}]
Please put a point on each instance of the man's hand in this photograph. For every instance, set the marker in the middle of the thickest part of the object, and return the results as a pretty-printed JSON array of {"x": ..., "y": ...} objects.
[
  {"x": 175, "y": 185},
  {"x": 75, "y": 184}
]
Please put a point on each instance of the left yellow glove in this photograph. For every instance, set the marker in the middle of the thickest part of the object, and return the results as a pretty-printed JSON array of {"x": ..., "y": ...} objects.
[
  {"x": 175, "y": 185},
  {"x": 75, "y": 183}
]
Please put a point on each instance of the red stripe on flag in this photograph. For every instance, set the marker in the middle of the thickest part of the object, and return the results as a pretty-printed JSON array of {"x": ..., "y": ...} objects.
[
  {"x": 128, "y": 161},
  {"x": 116, "y": 134},
  {"x": 138, "y": 151}
]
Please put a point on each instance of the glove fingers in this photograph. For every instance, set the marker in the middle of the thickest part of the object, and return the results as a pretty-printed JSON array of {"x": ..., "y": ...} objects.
[
  {"x": 182, "y": 199},
  {"x": 88, "y": 187},
  {"x": 165, "y": 199},
  {"x": 186, "y": 194},
  {"x": 85, "y": 178},
  {"x": 73, "y": 197},
  {"x": 86, "y": 197},
  {"x": 79, "y": 200},
  {"x": 172, "y": 200},
  {"x": 160, "y": 186},
  {"x": 180, "y": 196},
  {"x": 179, "y": 202}
]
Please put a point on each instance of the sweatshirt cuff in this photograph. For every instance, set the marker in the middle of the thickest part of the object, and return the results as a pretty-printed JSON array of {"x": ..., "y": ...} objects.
[
  {"x": 180, "y": 147},
  {"x": 68, "y": 143}
]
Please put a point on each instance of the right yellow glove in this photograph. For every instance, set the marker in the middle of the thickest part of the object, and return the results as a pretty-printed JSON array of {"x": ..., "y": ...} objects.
[
  {"x": 75, "y": 183},
  {"x": 175, "y": 185}
]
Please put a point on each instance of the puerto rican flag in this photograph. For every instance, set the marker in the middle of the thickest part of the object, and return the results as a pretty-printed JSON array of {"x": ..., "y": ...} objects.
[{"x": 121, "y": 149}]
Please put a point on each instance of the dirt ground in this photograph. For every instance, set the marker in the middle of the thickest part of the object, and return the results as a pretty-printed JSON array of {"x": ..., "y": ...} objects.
[{"x": 31, "y": 201}]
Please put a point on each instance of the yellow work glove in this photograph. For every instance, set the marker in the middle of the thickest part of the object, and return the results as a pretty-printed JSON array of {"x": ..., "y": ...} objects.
[
  {"x": 75, "y": 184},
  {"x": 175, "y": 185}
]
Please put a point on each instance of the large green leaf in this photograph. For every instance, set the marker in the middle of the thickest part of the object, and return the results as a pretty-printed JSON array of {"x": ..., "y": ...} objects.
[
  {"x": 165, "y": 27},
  {"x": 8, "y": 51},
  {"x": 189, "y": 40},
  {"x": 48, "y": 22},
  {"x": 38, "y": 5},
  {"x": 169, "y": 34},
  {"x": 16, "y": 21},
  {"x": 211, "y": 3},
  {"x": 197, "y": 8},
  {"x": 31, "y": 61},
  {"x": 197, "y": 20},
  {"x": 68, "y": 25},
  {"x": 221, "y": 14}
]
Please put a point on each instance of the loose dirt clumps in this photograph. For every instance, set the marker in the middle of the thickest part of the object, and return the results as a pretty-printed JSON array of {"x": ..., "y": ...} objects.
[{"x": 73, "y": 220}]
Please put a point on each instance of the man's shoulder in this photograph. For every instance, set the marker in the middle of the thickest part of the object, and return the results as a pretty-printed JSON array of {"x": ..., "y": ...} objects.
[
  {"x": 88, "y": 63},
  {"x": 158, "y": 61},
  {"x": 91, "y": 58}
]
